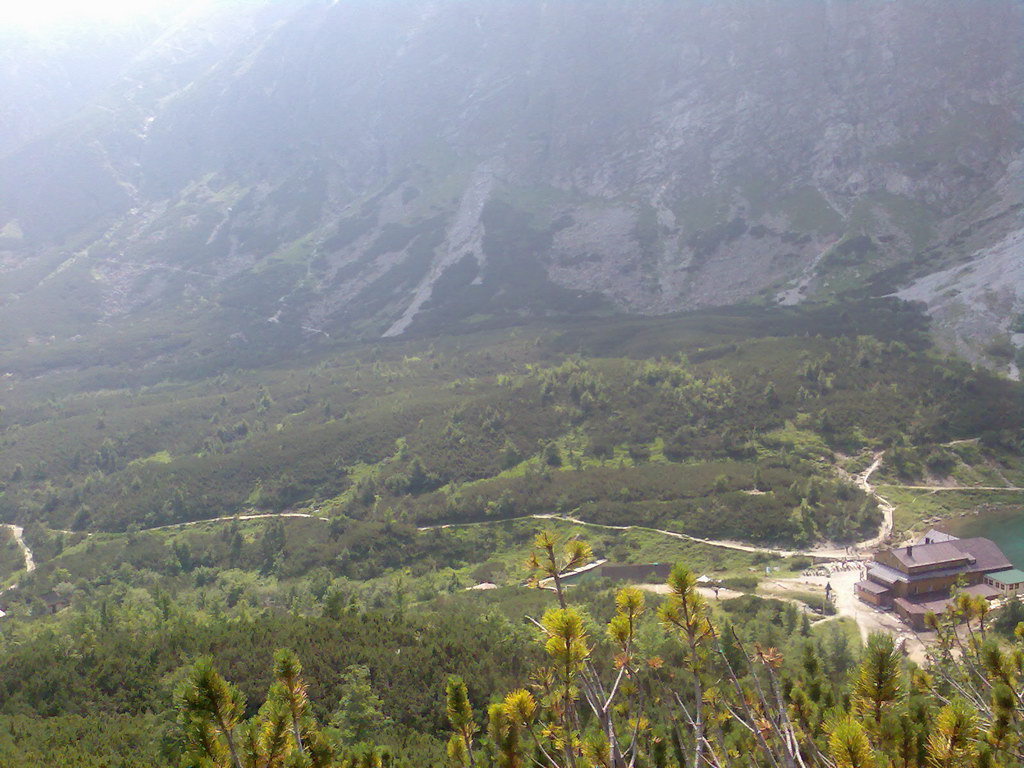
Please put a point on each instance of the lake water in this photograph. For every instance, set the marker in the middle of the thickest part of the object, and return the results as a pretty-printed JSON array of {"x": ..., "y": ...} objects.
[{"x": 1004, "y": 528}]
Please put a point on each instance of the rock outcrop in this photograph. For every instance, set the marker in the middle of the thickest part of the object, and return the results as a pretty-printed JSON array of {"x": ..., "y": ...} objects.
[{"x": 370, "y": 168}]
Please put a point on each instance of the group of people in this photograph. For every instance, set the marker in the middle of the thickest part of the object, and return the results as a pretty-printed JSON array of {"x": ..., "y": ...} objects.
[{"x": 826, "y": 569}]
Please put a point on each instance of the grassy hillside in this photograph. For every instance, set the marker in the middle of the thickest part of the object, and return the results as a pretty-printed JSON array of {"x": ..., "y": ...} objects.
[
  {"x": 145, "y": 604},
  {"x": 723, "y": 424},
  {"x": 419, "y": 463}
]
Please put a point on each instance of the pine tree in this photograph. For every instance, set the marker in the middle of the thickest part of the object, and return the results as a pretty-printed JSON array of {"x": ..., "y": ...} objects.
[
  {"x": 359, "y": 714},
  {"x": 551, "y": 561},
  {"x": 272, "y": 544},
  {"x": 211, "y": 710},
  {"x": 288, "y": 672},
  {"x": 716, "y": 703},
  {"x": 460, "y": 717},
  {"x": 953, "y": 740},
  {"x": 848, "y": 745},
  {"x": 282, "y": 735},
  {"x": 878, "y": 683}
]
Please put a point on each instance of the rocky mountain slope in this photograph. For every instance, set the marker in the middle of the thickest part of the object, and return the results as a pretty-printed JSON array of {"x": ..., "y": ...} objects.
[{"x": 275, "y": 173}]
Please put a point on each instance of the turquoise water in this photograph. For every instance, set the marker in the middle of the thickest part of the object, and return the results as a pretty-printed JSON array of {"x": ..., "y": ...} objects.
[{"x": 1004, "y": 528}]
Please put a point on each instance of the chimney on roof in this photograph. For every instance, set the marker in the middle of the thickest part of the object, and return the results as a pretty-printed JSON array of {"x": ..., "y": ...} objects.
[
  {"x": 910, "y": 550},
  {"x": 927, "y": 540}
]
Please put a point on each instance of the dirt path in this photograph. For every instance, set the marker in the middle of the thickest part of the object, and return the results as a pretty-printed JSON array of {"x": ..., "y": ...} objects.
[
  {"x": 828, "y": 553},
  {"x": 847, "y": 604},
  {"x": 860, "y": 550},
  {"x": 723, "y": 543},
  {"x": 226, "y": 518},
  {"x": 19, "y": 536},
  {"x": 724, "y": 593},
  {"x": 863, "y": 481},
  {"x": 30, "y": 564},
  {"x": 935, "y": 488}
]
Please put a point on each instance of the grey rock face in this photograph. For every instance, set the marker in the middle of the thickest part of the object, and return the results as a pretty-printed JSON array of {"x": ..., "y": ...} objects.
[
  {"x": 370, "y": 168},
  {"x": 979, "y": 301}
]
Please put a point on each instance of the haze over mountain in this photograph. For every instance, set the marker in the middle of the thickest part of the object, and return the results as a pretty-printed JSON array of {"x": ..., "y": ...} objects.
[
  {"x": 267, "y": 173},
  {"x": 321, "y": 319}
]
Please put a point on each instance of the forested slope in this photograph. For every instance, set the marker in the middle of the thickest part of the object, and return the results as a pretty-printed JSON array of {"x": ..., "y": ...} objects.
[{"x": 720, "y": 425}]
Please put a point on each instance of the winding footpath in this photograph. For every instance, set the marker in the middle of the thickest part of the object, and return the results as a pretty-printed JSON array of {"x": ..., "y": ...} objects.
[
  {"x": 721, "y": 543},
  {"x": 18, "y": 532},
  {"x": 226, "y": 518},
  {"x": 863, "y": 482},
  {"x": 936, "y": 488},
  {"x": 847, "y": 605}
]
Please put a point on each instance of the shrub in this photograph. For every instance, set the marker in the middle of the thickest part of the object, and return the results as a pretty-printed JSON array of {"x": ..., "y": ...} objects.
[{"x": 741, "y": 583}]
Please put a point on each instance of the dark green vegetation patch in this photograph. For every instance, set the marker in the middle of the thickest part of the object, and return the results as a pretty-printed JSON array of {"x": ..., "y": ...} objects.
[{"x": 723, "y": 424}]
